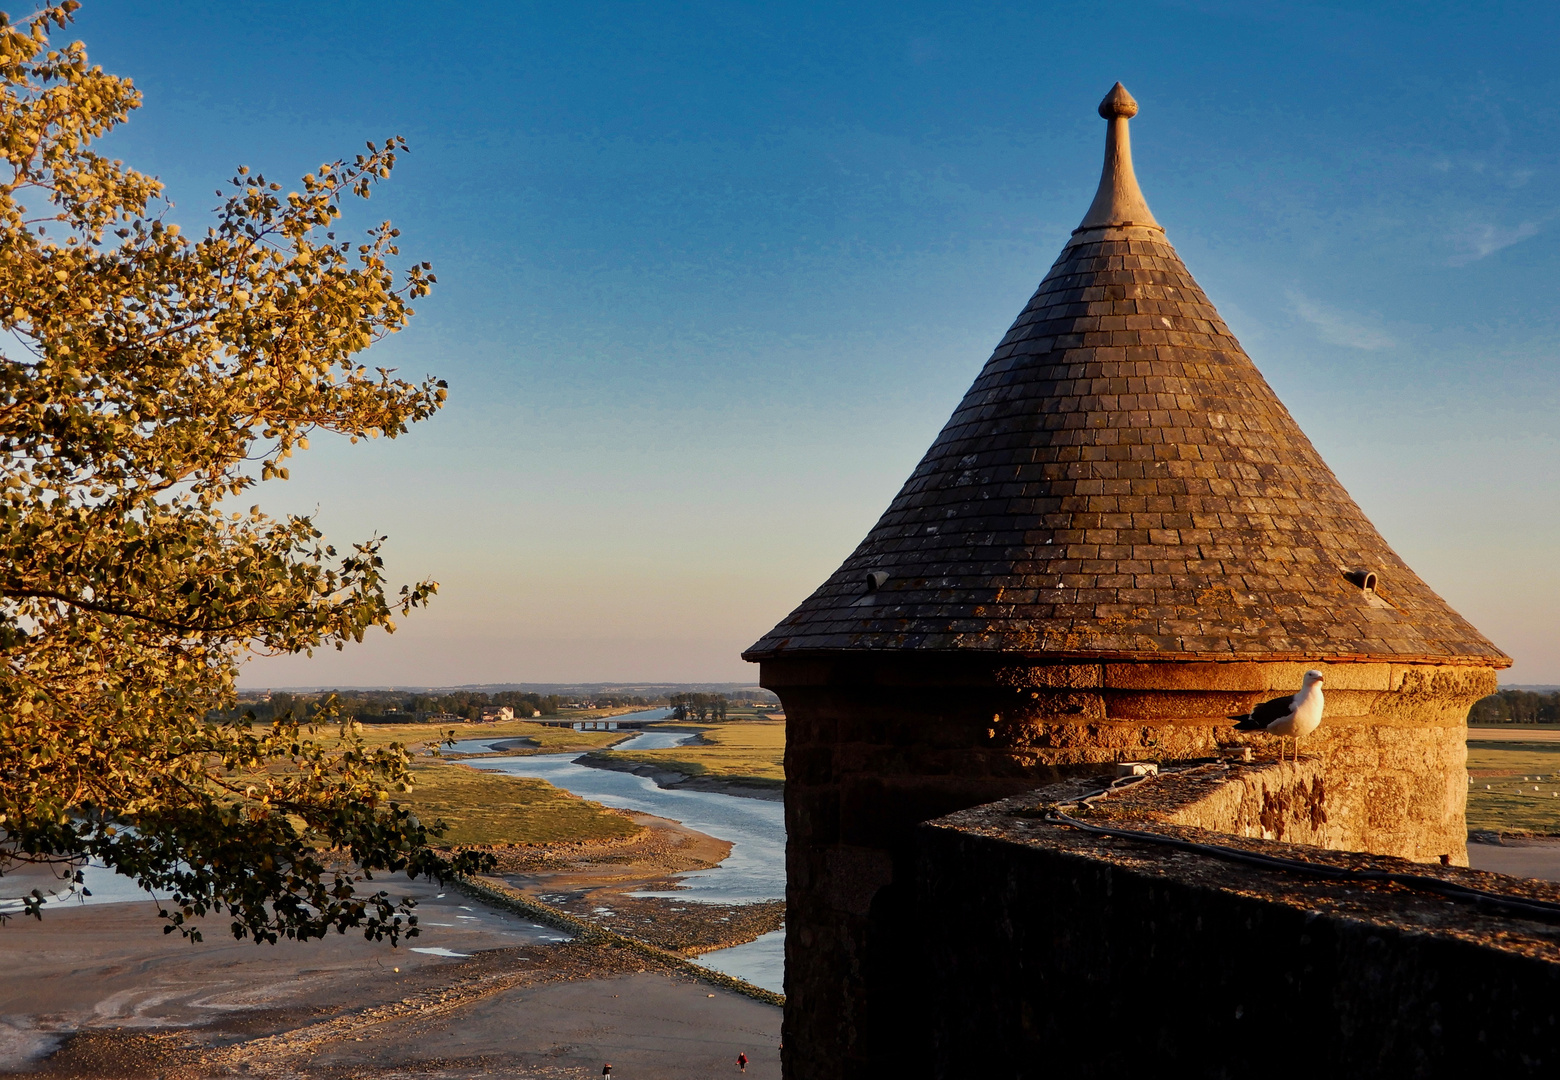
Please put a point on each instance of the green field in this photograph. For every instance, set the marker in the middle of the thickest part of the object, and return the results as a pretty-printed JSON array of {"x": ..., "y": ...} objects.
[
  {"x": 1515, "y": 786},
  {"x": 544, "y": 739},
  {"x": 752, "y": 712},
  {"x": 485, "y": 808},
  {"x": 737, "y": 749}
]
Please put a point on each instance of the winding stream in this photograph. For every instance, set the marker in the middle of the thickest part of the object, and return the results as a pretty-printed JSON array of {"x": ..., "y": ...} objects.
[{"x": 754, "y": 871}]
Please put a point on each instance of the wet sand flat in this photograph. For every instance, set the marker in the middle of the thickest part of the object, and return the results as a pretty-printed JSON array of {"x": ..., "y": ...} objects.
[
  {"x": 110, "y": 967},
  {"x": 596, "y": 882},
  {"x": 647, "y": 1025},
  {"x": 99, "y": 991}
]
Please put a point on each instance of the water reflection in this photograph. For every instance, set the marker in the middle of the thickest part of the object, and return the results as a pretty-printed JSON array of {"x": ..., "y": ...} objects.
[
  {"x": 761, "y": 961},
  {"x": 754, "y": 871}
]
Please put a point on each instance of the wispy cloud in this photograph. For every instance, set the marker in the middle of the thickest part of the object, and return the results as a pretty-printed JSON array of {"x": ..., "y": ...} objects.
[
  {"x": 1339, "y": 327},
  {"x": 1478, "y": 241}
]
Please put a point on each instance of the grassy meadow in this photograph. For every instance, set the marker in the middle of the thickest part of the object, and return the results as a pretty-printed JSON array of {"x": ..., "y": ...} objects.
[
  {"x": 542, "y": 739},
  {"x": 736, "y": 749},
  {"x": 483, "y": 808},
  {"x": 1515, "y": 782},
  {"x": 488, "y": 808},
  {"x": 752, "y": 713}
]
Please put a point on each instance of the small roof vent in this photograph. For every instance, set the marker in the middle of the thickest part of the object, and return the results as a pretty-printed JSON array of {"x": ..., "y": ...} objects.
[
  {"x": 1364, "y": 580},
  {"x": 876, "y": 580}
]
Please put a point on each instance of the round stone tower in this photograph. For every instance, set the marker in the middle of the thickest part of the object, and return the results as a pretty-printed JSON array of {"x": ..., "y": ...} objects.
[{"x": 1120, "y": 540}]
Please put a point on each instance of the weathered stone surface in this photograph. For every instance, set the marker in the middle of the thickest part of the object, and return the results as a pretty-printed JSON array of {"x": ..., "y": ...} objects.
[
  {"x": 1086, "y": 957},
  {"x": 875, "y": 746},
  {"x": 1268, "y": 678},
  {"x": 1275, "y": 800}
]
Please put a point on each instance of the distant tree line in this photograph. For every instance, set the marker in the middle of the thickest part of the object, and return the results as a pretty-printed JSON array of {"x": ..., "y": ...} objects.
[
  {"x": 1516, "y": 707},
  {"x": 392, "y": 707},
  {"x": 698, "y": 706}
]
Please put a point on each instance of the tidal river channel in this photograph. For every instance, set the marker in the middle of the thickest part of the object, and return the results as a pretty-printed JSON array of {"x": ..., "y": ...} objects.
[{"x": 754, "y": 871}]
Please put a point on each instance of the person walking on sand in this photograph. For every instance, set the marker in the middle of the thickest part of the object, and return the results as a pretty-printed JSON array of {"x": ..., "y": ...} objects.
[
  {"x": 606, "y": 1070},
  {"x": 742, "y": 1062}
]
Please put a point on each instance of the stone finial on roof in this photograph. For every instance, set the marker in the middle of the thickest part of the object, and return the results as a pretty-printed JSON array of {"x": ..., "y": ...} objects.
[{"x": 1119, "y": 201}]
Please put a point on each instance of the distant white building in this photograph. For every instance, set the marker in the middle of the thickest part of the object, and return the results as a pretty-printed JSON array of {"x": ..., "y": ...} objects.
[{"x": 492, "y": 714}]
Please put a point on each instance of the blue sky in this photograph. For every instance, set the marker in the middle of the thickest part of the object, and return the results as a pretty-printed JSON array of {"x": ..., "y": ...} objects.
[{"x": 713, "y": 275}]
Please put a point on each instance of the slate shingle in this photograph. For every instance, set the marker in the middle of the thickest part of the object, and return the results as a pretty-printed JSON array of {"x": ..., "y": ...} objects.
[{"x": 1121, "y": 481}]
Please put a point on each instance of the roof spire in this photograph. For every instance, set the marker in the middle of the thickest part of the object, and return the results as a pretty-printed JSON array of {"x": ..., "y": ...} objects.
[{"x": 1119, "y": 200}]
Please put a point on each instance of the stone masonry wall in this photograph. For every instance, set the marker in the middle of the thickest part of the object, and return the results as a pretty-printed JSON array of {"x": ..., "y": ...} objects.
[
  {"x": 1057, "y": 953},
  {"x": 877, "y": 744},
  {"x": 1273, "y": 800}
]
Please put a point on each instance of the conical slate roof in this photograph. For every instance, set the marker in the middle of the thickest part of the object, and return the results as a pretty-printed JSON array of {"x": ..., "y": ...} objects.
[{"x": 1120, "y": 481}]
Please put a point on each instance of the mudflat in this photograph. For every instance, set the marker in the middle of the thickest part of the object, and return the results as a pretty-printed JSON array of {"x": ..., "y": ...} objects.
[
  {"x": 98, "y": 991},
  {"x": 595, "y": 882}
]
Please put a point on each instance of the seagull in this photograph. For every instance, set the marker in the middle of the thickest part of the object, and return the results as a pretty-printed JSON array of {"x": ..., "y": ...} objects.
[{"x": 1288, "y": 717}]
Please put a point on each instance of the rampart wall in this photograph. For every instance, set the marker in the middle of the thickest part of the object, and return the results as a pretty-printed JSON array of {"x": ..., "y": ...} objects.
[{"x": 1061, "y": 953}]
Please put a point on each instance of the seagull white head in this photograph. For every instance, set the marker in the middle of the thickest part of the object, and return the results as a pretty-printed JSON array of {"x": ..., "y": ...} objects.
[{"x": 1313, "y": 677}]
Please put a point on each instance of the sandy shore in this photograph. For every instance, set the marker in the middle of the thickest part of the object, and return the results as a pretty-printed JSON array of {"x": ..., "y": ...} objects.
[
  {"x": 593, "y": 884},
  {"x": 1530, "y": 857}
]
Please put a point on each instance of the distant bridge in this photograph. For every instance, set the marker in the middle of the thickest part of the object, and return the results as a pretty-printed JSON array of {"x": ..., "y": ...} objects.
[{"x": 606, "y": 723}]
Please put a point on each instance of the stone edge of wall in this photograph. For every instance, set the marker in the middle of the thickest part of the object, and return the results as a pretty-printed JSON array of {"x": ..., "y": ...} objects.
[{"x": 1035, "y": 886}]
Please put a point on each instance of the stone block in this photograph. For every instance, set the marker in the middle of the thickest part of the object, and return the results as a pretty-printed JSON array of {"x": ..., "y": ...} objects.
[
  {"x": 1188, "y": 706},
  {"x": 1253, "y": 677},
  {"x": 1062, "y": 676},
  {"x": 854, "y": 875}
]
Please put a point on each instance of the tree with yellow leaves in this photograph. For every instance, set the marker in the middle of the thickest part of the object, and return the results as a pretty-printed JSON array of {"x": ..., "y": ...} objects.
[{"x": 148, "y": 378}]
